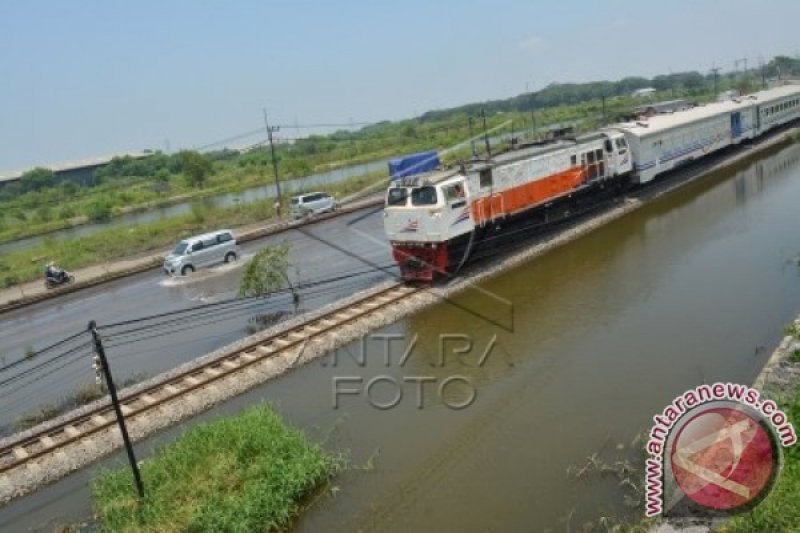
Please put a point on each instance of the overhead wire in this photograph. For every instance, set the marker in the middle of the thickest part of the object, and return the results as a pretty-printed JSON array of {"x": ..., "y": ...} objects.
[
  {"x": 41, "y": 351},
  {"x": 210, "y": 313}
]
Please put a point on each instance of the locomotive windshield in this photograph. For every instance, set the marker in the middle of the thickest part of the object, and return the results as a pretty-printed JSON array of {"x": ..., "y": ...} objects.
[
  {"x": 425, "y": 195},
  {"x": 397, "y": 196}
]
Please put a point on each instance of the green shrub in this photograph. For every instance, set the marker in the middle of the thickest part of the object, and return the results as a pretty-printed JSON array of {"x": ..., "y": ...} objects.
[
  {"x": 245, "y": 473},
  {"x": 99, "y": 211}
]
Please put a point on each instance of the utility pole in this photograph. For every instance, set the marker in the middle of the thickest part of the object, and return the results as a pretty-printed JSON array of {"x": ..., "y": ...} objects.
[
  {"x": 486, "y": 134},
  {"x": 715, "y": 71},
  {"x": 533, "y": 117},
  {"x": 112, "y": 390},
  {"x": 472, "y": 138},
  {"x": 270, "y": 131},
  {"x": 605, "y": 116}
]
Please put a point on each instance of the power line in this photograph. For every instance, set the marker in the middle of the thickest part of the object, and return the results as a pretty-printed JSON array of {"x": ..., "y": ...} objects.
[{"x": 44, "y": 350}]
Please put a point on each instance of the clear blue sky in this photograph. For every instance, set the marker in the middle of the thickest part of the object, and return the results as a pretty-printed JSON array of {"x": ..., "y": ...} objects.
[{"x": 81, "y": 78}]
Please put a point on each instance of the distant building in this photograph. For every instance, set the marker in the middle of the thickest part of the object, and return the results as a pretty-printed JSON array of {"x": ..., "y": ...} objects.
[
  {"x": 643, "y": 93},
  {"x": 76, "y": 171}
]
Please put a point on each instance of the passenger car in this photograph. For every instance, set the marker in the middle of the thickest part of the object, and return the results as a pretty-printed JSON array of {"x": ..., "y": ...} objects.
[
  {"x": 312, "y": 204},
  {"x": 202, "y": 250}
]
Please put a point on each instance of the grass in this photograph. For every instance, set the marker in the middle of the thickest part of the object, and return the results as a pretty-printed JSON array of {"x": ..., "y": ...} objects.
[
  {"x": 780, "y": 511},
  {"x": 81, "y": 396},
  {"x": 250, "y": 472},
  {"x": 116, "y": 243}
]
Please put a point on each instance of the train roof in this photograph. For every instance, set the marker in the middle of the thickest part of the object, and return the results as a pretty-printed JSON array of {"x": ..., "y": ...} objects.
[
  {"x": 532, "y": 150},
  {"x": 659, "y": 123}
]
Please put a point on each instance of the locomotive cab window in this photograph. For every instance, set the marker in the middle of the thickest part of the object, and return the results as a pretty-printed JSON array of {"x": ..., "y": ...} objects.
[
  {"x": 454, "y": 192},
  {"x": 485, "y": 178},
  {"x": 425, "y": 195},
  {"x": 397, "y": 196}
]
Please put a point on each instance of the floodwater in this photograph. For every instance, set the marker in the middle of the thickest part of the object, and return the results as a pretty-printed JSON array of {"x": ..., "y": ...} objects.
[
  {"x": 223, "y": 200},
  {"x": 573, "y": 353}
]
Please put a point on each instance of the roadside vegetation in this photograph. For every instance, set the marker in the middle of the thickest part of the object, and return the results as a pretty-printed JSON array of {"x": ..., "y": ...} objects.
[
  {"x": 118, "y": 243},
  {"x": 250, "y": 472}
]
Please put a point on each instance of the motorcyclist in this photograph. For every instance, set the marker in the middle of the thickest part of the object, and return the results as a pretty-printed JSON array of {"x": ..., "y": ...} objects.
[{"x": 50, "y": 270}]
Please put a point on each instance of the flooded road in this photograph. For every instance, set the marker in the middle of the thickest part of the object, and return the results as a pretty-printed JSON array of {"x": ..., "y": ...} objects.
[
  {"x": 695, "y": 286},
  {"x": 314, "y": 255}
]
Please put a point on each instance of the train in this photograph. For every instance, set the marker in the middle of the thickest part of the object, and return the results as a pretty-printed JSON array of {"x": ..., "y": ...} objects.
[{"x": 442, "y": 219}]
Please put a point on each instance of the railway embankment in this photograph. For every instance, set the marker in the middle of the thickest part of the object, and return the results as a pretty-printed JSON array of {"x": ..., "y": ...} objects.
[{"x": 50, "y": 467}]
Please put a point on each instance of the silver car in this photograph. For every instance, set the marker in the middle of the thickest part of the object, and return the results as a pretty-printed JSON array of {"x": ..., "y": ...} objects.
[
  {"x": 312, "y": 203},
  {"x": 202, "y": 250}
]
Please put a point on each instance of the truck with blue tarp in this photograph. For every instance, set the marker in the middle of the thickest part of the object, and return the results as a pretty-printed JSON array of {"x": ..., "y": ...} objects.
[{"x": 413, "y": 164}]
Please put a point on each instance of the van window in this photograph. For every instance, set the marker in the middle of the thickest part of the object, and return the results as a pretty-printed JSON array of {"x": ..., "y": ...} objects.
[
  {"x": 224, "y": 237},
  {"x": 295, "y": 201},
  {"x": 180, "y": 249},
  {"x": 208, "y": 243},
  {"x": 397, "y": 196},
  {"x": 425, "y": 195},
  {"x": 197, "y": 246}
]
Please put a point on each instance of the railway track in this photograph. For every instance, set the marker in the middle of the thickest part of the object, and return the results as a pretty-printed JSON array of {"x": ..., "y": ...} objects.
[{"x": 18, "y": 454}]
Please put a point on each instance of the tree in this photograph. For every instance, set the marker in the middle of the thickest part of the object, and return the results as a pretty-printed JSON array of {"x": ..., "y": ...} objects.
[
  {"x": 38, "y": 178},
  {"x": 196, "y": 167},
  {"x": 267, "y": 272}
]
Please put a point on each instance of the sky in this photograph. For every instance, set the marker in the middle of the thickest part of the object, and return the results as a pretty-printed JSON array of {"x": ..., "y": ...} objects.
[{"x": 83, "y": 78}]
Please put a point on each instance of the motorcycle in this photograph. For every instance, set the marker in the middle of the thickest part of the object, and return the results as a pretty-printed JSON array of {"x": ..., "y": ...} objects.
[{"x": 58, "y": 277}]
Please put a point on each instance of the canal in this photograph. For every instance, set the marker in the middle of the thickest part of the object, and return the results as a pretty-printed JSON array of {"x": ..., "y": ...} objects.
[{"x": 695, "y": 286}]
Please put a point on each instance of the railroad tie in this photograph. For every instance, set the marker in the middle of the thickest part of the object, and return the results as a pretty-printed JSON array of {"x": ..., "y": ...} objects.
[
  {"x": 71, "y": 431},
  {"x": 281, "y": 343},
  {"x": 191, "y": 380},
  {"x": 98, "y": 420},
  {"x": 20, "y": 453},
  {"x": 47, "y": 441},
  {"x": 230, "y": 365},
  {"x": 146, "y": 398}
]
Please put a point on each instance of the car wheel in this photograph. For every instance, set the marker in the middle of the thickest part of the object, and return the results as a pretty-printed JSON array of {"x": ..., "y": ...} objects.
[
  {"x": 188, "y": 269},
  {"x": 230, "y": 256}
]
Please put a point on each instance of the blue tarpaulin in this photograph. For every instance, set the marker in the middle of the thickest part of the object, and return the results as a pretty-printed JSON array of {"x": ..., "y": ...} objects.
[{"x": 411, "y": 165}]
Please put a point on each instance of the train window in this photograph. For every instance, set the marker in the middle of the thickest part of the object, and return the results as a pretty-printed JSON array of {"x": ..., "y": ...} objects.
[
  {"x": 590, "y": 157},
  {"x": 486, "y": 177},
  {"x": 454, "y": 192},
  {"x": 397, "y": 196},
  {"x": 598, "y": 154},
  {"x": 425, "y": 195},
  {"x": 573, "y": 160}
]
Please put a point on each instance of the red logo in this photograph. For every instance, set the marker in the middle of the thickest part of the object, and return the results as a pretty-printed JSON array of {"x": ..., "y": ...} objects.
[{"x": 724, "y": 459}]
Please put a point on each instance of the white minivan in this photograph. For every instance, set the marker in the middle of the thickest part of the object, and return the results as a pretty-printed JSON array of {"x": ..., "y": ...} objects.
[
  {"x": 312, "y": 203},
  {"x": 202, "y": 250}
]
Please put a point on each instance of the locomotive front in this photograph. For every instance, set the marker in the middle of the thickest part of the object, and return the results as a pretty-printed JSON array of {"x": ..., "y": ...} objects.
[{"x": 423, "y": 219}]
